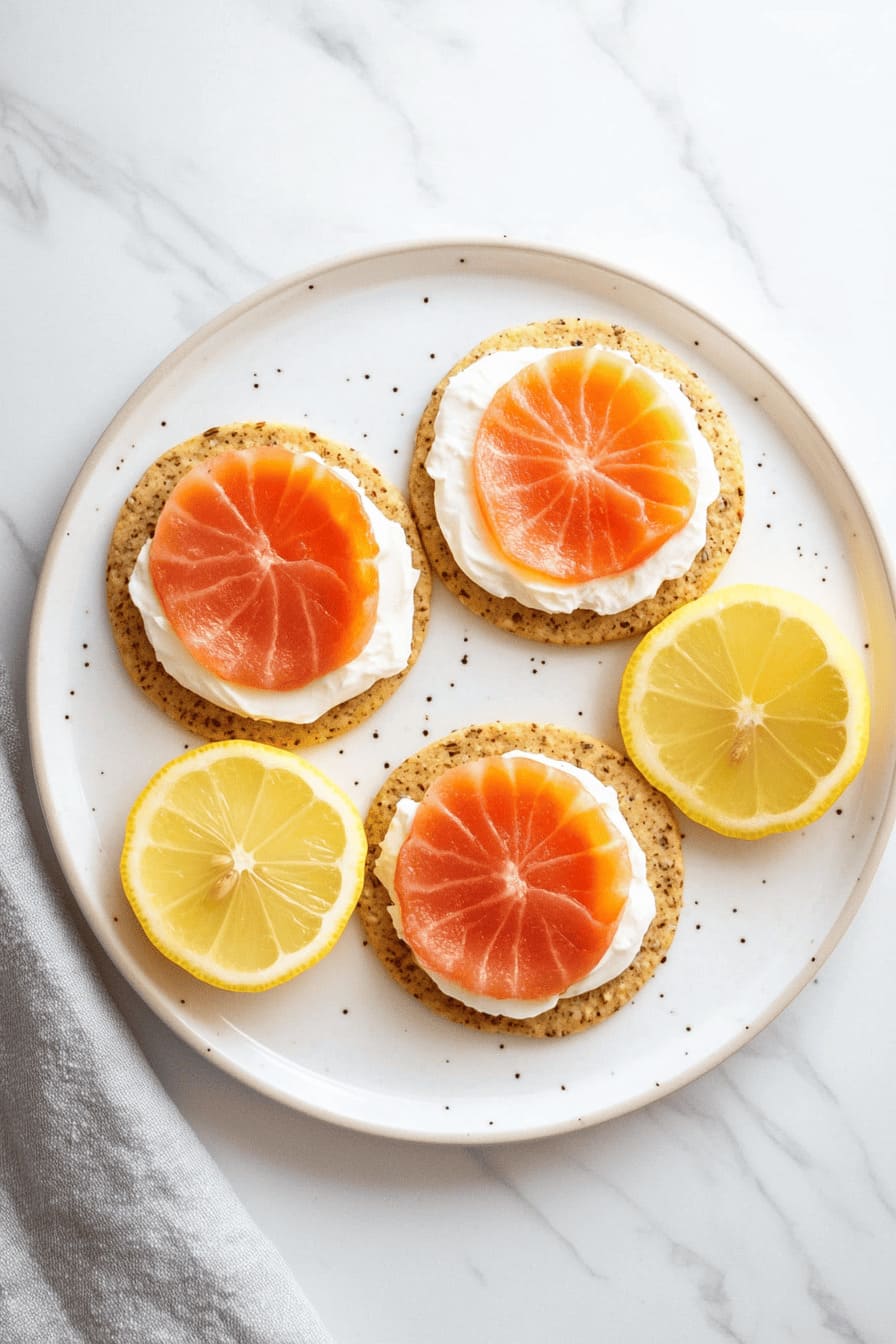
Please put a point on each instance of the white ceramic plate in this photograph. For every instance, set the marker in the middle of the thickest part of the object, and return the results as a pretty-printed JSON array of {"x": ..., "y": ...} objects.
[{"x": 353, "y": 349}]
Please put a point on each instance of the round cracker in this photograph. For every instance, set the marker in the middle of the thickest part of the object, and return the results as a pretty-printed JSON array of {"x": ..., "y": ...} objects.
[
  {"x": 646, "y": 811},
  {"x": 724, "y": 516},
  {"x": 136, "y": 523}
]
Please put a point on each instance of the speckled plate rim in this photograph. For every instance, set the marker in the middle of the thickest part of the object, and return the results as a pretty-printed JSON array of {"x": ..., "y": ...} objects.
[{"x": 43, "y": 766}]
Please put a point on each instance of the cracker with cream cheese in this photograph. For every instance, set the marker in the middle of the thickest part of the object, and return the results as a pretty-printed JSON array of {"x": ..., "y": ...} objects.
[
  {"x": 583, "y": 627},
  {"x": 135, "y": 524},
  {"x": 647, "y": 813}
]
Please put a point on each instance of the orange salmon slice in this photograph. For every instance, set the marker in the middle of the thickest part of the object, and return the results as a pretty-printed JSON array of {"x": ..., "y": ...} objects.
[
  {"x": 512, "y": 879},
  {"x": 264, "y": 563},
  {"x": 582, "y": 469}
]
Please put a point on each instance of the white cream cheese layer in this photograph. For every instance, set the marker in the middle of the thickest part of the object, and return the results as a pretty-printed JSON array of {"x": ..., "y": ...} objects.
[
  {"x": 636, "y": 917},
  {"x": 450, "y": 464},
  {"x": 386, "y": 652}
]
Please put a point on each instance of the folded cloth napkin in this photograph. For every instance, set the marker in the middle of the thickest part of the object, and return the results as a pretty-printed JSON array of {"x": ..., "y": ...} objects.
[{"x": 115, "y": 1225}]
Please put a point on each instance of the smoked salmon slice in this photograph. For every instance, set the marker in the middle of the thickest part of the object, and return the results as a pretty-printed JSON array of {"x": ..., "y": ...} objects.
[
  {"x": 512, "y": 879},
  {"x": 264, "y": 563},
  {"x": 582, "y": 468}
]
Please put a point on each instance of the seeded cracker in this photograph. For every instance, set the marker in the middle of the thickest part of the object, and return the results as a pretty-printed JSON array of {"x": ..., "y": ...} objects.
[
  {"x": 646, "y": 811},
  {"x": 587, "y": 627},
  {"x": 136, "y": 523}
]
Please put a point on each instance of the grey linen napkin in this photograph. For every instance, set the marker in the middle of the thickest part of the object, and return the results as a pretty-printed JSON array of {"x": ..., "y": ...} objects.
[{"x": 115, "y": 1225}]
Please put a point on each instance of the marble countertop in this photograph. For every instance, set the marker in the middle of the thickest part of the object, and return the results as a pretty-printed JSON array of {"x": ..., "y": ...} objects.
[{"x": 161, "y": 162}]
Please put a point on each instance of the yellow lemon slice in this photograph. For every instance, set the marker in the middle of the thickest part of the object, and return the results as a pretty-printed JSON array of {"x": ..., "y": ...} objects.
[
  {"x": 243, "y": 863},
  {"x": 749, "y": 708}
]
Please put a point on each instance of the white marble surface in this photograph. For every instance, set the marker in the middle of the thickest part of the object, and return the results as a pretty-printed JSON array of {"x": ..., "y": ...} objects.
[{"x": 160, "y": 161}]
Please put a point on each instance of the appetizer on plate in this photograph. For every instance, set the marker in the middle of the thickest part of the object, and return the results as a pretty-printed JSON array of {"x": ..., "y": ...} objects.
[
  {"x": 265, "y": 583},
  {"x": 574, "y": 482},
  {"x": 521, "y": 878}
]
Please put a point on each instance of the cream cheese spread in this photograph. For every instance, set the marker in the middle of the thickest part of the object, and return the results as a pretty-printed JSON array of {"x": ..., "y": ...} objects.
[
  {"x": 386, "y": 652},
  {"x": 450, "y": 464},
  {"x": 636, "y": 917}
]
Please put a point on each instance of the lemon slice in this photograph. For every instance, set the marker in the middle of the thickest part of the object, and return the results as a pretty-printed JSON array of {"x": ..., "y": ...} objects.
[
  {"x": 749, "y": 708},
  {"x": 243, "y": 863}
]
